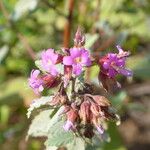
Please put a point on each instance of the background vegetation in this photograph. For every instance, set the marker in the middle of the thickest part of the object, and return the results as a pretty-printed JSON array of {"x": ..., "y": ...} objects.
[{"x": 29, "y": 26}]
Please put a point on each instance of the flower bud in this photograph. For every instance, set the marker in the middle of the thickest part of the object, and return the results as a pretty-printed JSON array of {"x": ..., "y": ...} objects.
[
  {"x": 79, "y": 39},
  {"x": 50, "y": 81},
  {"x": 84, "y": 112},
  {"x": 94, "y": 109},
  {"x": 72, "y": 115}
]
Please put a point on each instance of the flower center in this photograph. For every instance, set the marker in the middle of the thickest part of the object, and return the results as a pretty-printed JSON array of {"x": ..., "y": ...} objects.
[
  {"x": 113, "y": 63},
  {"x": 49, "y": 62},
  {"x": 78, "y": 59}
]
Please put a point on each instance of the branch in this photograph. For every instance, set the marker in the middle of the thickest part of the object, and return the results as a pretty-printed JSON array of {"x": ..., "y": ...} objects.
[{"x": 67, "y": 30}]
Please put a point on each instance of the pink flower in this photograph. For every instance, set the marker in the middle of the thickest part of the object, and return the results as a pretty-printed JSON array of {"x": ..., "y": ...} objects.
[
  {"x": 48, "y": 61},
  {"x": 100, "y": 129},
  {"x": 35, "y": 81},
  {"x": 113, "y": 64},
  {"x": 79, "y": 57},
  {"x": 68, "y": 126}
]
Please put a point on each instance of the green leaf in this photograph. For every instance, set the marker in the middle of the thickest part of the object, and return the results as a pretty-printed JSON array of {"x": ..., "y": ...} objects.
[
  {"x": 37, "y": 103},
  {"x": 77, "y": 144},
  {"x": 57, "y": 136},
  {"x": 51, "y": 148},
  {"x": 40, "y": 124}
]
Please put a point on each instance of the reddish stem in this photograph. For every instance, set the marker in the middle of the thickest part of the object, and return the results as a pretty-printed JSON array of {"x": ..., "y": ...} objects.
[{"x": 67, "y": 30}]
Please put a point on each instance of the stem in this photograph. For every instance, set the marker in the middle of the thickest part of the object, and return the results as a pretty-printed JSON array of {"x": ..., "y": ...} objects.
[{"x": 67, "y": 30}]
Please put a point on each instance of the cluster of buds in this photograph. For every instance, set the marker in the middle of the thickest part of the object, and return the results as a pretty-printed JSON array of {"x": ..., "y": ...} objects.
[{"x": 84, "y": 112}]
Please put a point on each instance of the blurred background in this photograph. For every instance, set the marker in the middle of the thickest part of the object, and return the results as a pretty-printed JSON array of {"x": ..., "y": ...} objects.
[{"x": 29, "y": 26}]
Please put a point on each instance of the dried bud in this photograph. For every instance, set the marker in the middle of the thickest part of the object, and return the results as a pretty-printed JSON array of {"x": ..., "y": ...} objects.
[
  {"x": 84, "y": 112},
  {"x": 58, "y": 99},
  {"x": 67, "y": 75},
  {"x": 59, "y": 59},
  {"x": 94, "y": 109},
  {"x": 79, "y": 39},
  {"x": 72, "y": 115},
  {"x": 50, "y": 81}
]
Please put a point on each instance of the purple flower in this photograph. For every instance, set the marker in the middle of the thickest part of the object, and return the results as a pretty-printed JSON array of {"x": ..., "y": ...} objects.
[
  {"x": 68, "y": 125},
  {"x": 48, "y": 61},
  {"x": 100, "y": 129},
  {"x": 35, "y": 81},
  {"x": 79, "y": 57},
  {"x": 114, "y": 64}
]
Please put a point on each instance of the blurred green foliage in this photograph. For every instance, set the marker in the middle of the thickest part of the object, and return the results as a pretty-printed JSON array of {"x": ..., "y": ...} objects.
[{"x": 27, "y": 25}]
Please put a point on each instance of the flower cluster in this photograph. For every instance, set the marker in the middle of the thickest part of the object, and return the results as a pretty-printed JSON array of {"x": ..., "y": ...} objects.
[
  {"x": 84, "y": 112},
  {"x": 111, "y": 65}
]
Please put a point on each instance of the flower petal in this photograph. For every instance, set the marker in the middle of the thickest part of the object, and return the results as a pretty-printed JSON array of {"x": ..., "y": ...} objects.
[
  {"x": 119, "y": 48},
  {"x": 85, "y": 59},
  {"x": 53, "y": 71},
  {"x": 67, "y": 60},
  {"x": 68, "y": 125},
  {"x": 77, "y": 69},
  {"x": 41, "y": 88},
  {"x": 75, "y": 52},
  {"x": 100, "y": 129},
  {"x": 120, "y": 62},
  {"x": 112, "y": 56},
  {"x": 35, "y": 73},
  {"x": 125, "y": 72},
  {"x": 106, "y": 65},
  {"x": 112, "y": 72},
  {"x": 52, "y": 55}
]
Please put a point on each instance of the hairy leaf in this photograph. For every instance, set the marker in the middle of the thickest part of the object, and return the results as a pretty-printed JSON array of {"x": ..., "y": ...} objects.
[
  {"x": 37, "y": 103},
  {"x": 40, "y": 124},
  {"x": 77, "y": 144},
  {"x": 57, "y": 136}
]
